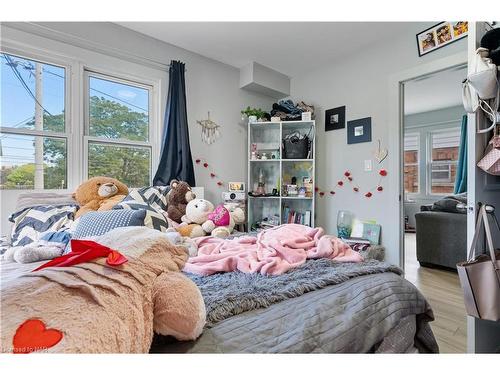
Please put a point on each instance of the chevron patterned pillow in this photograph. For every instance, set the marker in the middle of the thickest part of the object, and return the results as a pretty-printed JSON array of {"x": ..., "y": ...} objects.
[
  {"x": 154, "y": 218},
  {"x": 30, "y": 223},
  {"x": 154, "y": 196}
]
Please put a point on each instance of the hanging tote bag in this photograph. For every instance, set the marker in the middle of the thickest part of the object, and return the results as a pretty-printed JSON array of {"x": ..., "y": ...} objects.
[
  {"x": 490, "y": 162},
  {"x": 480, "y": 276}
]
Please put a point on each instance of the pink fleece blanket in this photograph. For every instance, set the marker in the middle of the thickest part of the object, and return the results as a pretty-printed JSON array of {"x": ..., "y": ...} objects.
[{"x": 273, "y": 252}]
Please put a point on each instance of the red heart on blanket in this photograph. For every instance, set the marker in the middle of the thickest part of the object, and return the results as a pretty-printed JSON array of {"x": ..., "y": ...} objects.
[{"x": 32, "y": 335}]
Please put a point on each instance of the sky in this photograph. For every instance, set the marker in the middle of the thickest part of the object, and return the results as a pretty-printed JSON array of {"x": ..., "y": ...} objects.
[{"x": 17, "y": 107}]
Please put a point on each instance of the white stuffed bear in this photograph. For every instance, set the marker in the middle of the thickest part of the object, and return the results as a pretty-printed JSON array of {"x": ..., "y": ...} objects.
[
  {"x": 197, "y": 211},
  {"x": 222, "y": 220}
]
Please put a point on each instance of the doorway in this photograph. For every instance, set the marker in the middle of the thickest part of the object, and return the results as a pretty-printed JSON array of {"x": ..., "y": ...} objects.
[{"x": 435, "y": 230}]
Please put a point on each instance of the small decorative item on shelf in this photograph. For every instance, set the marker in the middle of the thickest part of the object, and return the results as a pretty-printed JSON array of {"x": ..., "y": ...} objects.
[
  {"x": 264, "y": 156},
  {"x": 261, "y": 185},
  {"x": 275, "y": 119},
  {"x": 308, "y": 185},
  {"x": 344, "y": 223},
  {"x": 254, "y": 155},
  {"x": 302, "y": 192},
  {"x": 306, "y": 116}
]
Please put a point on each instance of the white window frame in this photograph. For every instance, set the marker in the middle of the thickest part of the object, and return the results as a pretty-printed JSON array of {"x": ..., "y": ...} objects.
[
  {"x": 67, "y": 135},
  {"x": 431, "y": 162},
  {"x": 87, "y": 138},
  {"x": 417, "y": 164}
]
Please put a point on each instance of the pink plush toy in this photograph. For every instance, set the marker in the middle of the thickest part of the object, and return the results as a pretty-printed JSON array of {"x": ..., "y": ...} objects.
[{"x": 222, "y": 220}]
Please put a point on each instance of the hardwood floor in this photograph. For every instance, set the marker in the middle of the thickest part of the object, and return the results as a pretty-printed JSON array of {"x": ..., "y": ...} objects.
[{"x": 442, "y": 290}]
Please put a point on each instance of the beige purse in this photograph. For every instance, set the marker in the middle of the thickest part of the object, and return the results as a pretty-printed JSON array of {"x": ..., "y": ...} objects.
[{"x": 480, "y": 275}]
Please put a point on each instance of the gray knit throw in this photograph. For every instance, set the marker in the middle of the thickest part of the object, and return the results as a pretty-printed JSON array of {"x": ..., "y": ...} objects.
[{"x": 232, "y": 293}]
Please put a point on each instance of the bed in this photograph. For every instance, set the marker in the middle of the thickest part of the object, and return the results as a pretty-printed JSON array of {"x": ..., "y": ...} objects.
[
  {"x": 375, "y": 312},
  {"x": 322, "y": 307}
]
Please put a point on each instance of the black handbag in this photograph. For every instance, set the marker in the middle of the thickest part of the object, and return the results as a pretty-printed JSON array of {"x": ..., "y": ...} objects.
[{"x": 296, "y": 146}]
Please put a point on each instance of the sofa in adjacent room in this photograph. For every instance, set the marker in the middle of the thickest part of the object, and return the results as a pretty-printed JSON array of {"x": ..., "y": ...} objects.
[{"x": 442, "y": 232}]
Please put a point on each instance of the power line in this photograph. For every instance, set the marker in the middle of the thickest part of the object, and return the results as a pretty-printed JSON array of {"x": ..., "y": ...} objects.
[
  {"x": 121, "y": 100},
  {"x": 103, "y": 93},
  {"x": 12, "y": 65}
]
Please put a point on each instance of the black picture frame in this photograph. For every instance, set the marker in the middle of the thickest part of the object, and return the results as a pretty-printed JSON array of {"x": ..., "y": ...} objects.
[
  {"x": 359, "y": 131},
  {"x": 335, "y": 118},
  {"x": 432, "y": 29}
]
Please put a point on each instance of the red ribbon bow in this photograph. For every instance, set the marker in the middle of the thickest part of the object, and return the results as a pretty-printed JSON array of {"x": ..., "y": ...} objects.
[{"x": 83, "y": 251}]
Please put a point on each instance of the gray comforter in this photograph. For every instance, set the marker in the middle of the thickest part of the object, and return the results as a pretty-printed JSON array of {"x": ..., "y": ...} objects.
[{"x": 333, "y": 312}]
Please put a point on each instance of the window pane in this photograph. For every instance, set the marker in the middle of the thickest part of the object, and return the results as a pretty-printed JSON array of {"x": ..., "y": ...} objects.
[
  {"x": 32, "y": 94},
  {"x": 411, "y": 170},
  {"x": 129, "y": 164},
  {"x": 28, "y": 162},
  {"x": 445, "y": 148},
  {"x": 117, "y": 110}
]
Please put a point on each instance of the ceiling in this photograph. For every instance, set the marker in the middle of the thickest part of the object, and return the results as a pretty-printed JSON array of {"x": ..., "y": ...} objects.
[
  {"x": 288, "y": 47},
  {"x": 440, "y": 90}
]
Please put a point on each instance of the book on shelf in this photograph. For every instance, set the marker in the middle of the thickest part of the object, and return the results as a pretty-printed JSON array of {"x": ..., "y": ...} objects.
[{"x": 294, "y": 217}]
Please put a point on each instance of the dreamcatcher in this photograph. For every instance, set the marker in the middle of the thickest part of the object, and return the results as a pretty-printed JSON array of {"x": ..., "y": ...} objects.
[{"x": 209, "y": 130}]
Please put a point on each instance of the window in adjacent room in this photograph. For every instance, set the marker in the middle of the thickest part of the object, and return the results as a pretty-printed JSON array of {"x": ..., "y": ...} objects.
[
  {"x": 443, "y": 160},
  {"x": 118, "y": 129},
  {"x": 33, "y": 136},
  {"x": 411, "y": 169}
]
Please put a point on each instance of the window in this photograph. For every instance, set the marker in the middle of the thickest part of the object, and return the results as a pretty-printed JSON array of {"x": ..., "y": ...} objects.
[
  {"x": 411, "y": 163},
  {"x": 117, "y": 128},
  {"x": 33, "y": 129},
  {"x": 443, "y": 160}
]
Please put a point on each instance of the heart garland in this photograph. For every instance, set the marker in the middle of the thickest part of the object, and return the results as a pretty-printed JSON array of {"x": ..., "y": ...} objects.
[
  {"x": 347, "y": 178},
  {"x": 203, "y": 162}
]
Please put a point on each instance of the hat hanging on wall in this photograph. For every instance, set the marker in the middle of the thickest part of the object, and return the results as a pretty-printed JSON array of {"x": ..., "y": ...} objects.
[{"x": 209, "y": 130}]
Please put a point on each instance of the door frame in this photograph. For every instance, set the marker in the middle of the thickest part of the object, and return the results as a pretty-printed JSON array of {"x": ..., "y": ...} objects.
[{"x": 396, "y": 127}]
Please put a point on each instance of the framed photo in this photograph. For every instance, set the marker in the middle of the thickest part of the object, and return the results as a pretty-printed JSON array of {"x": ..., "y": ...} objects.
[
  {"x": 441, "y": 35},
  {"x": 359, "y": 131},
  {"x": 335, "y": 118},
  {"x": 236, "y": 187}
]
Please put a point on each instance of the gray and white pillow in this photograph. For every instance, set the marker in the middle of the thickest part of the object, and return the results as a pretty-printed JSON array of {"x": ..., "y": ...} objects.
[
  {"x": 154, "y": 218},
  {"x": 97, "y": 223},
  {"x": 154, "y": 196},
  {"x": 31, "y": 223}
]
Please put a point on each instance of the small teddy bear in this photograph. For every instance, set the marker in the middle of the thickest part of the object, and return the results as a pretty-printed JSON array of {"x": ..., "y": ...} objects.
[
  {"x": 178, "y": 197},
  {"x": 99, "y": 194}
]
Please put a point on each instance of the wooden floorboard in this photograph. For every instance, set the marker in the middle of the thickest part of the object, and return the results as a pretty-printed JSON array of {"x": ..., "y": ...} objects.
[{"x": 442, "y": 290}]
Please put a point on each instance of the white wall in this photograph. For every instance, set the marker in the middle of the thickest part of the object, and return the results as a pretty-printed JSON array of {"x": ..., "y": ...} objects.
[
  {"x": 361, "y": 82},
  {"x": 211, "y": 86}
]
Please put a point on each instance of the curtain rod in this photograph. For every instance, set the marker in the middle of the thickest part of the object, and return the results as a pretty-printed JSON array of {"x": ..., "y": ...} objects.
[{"x": 49, "y": 33}]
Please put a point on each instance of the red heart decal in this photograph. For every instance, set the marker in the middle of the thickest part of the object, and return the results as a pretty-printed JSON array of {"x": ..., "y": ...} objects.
[{"x": 32, "y": 335}]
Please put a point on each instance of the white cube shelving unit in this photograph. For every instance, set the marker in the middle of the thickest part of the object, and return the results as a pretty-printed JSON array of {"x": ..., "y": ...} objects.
[{"x": 277, "y": 172}]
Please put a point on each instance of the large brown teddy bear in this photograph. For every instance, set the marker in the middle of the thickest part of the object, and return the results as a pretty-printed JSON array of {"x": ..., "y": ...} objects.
[
  {"x": 178, "y": 197},
  {"x": 99, "y": 194},
  {"x": 94, "y": 307}
]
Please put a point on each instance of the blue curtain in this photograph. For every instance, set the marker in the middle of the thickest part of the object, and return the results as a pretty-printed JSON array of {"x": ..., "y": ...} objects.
[
  {"x": 461, "y": 176},
  {"x": 176, "y": 161}
]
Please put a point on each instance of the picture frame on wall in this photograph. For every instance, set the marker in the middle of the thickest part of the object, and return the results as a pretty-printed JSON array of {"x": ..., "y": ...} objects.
[
  {"x": 359, "y": 131},
  {"x": 440, "y": 35},
  {"x": 335, "y": 118}
]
